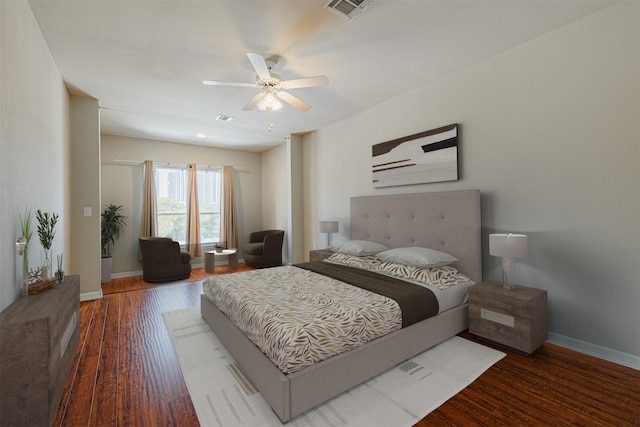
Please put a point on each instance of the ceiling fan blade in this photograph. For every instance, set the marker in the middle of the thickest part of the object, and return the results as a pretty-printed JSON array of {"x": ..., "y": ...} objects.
[
  {"x": 260, "y": 65},
  {"x": 305, "y": 82},
  {"x": 296, "y": 102},
  {"x": 252, "y": 104},
  {"x": 215, "y": 83}
]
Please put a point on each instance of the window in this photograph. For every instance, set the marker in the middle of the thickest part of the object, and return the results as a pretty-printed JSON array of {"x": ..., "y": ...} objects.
[
  {"x": 172, "y": 186},
  {"x": 210, "y": 199}
]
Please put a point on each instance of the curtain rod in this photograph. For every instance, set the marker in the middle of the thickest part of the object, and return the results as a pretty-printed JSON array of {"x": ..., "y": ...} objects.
[{"x": 181, "y": 165}]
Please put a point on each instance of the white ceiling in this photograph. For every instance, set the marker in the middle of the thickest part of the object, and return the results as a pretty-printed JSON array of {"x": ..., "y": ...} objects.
[{"x": 145, "y": 60}]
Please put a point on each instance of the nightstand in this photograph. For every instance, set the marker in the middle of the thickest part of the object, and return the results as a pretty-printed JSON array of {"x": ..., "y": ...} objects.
[
  {"x": 320, "y": 254},
  {"x": 515, "y": 318}
]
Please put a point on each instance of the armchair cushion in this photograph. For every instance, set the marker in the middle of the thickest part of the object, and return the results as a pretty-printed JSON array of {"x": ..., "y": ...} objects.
[
  {"x": 254, "y": 248},
  {"x": 162, "y": 260}
]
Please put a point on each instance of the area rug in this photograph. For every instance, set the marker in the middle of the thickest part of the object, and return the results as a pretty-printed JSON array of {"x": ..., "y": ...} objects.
[{"x": 401, "y": 396}]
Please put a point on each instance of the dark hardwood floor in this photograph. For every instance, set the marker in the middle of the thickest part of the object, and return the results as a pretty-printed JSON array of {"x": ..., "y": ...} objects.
[{"x": 126, "y": 373}]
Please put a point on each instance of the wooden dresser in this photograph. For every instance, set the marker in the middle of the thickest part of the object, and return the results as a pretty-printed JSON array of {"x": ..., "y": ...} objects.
[
  {"x": 39, "y": 335},
  {"x": 515, "y": 318}
]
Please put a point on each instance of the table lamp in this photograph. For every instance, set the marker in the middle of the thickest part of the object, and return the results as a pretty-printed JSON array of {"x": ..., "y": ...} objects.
[
  {"x": 508, "y": 246},
  {"x": 329, "y": 227}
]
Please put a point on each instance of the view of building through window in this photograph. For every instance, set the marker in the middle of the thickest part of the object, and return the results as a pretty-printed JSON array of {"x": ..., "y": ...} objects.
[{"x": 172, "y": 186}]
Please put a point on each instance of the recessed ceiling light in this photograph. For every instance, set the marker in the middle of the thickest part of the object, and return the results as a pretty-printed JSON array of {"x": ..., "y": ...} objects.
[
  {"x": 224, "y": 118},
  {"x": 201, "y": 135}
]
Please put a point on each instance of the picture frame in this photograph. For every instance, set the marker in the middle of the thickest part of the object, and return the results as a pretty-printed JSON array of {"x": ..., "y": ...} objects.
[{"x": 425, "y": 157}]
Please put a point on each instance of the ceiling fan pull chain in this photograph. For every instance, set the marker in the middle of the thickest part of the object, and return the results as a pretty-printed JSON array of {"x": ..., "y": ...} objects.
[{"x": 270, "y": 119}]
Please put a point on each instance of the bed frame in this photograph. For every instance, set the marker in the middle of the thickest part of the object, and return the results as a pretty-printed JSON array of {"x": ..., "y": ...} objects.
[{"x": 447, "y": 221}]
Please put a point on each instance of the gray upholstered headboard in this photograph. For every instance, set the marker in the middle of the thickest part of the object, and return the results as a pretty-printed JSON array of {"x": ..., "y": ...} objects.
[{"x": 446, "y": 221}]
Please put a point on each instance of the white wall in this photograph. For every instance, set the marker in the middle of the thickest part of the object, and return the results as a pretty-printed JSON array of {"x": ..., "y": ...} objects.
[
  {"x": 549, "y": 133},
  {"x": 34, "y": 137},
  {"x": 122, "y": 185}
]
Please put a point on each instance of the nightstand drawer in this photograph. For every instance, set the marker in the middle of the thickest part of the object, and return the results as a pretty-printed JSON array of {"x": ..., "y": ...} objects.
[
  {"x": 506, "y": 330},
  {"x": 521, "y": 302},
  {"x": 516, "y": 318}
]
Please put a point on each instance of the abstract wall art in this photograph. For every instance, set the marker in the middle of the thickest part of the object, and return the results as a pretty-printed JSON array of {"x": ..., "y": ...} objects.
[{"x": 430, "y": 156}]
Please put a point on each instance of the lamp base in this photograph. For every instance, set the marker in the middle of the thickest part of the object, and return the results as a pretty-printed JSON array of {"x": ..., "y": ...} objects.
[
  {"x": 507, "y": 273},
  {"x": 329, "y": 244}
]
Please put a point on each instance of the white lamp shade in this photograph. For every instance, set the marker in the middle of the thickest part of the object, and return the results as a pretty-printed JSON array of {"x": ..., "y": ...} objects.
[
  {"x": 328, "y": 226},
  {"x": 508, "y": 245}
]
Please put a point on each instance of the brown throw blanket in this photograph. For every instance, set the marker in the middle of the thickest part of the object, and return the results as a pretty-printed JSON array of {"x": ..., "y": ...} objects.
[{"x": 416, "y": 302}]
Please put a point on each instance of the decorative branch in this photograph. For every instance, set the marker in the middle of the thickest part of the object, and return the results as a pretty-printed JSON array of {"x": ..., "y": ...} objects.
[{"x": 46, "y": 228}]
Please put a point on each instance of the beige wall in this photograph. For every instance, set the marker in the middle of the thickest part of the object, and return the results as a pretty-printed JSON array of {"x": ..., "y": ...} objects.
[
  {"x": 34, "y": 139},
  {"x": 282, "y": 200},
  {"x": 122, "y": 185},
  {"x": 296, "y": 180},
  {"x": 550, "y": 134},
  {"x": 276, "y": 193},
  {"x": 85, "y": 193}
]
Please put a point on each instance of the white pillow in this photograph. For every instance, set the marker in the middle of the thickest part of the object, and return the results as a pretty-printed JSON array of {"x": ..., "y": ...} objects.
[
  {"x": 361, "y": 248},
  {"x": 417, "y": 257}
]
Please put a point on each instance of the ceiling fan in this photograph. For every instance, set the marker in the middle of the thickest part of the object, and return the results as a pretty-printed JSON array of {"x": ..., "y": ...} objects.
[{"x": 272, "y": 87}]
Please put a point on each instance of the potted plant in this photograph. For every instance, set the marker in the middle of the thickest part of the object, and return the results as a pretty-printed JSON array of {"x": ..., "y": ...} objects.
[
  {"x": 218, "y": 247},
  {"x": 46, "y": 232},
  {"x": 112, "y": 225}
]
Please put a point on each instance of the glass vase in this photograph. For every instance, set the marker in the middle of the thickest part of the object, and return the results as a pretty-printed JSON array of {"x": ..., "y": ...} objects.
[
  {"x": 46, "y": 266},
  {"x": 25, "y": 270}
]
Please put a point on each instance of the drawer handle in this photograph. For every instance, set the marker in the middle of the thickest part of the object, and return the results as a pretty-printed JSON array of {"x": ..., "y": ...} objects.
[{"x": 503, "y": 319}]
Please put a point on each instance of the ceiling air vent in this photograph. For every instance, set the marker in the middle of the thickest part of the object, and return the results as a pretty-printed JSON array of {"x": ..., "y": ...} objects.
[{"x": 348, "y": 9}]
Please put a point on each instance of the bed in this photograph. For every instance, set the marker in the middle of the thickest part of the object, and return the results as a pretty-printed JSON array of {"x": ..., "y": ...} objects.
[{"x": 446, "y": 221}]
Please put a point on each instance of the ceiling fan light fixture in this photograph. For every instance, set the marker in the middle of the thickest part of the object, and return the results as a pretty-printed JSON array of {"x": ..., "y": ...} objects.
[
  {"x": 269, "y": 102},
  {"x": 263, "y": 107}
]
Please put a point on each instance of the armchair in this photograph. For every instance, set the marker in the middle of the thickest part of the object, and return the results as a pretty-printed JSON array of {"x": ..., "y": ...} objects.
[
  {"x": 162, "y": 260},
  {"x": 264, "y": 249}
]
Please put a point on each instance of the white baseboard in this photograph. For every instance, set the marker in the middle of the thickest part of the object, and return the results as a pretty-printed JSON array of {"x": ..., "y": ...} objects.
[
  {"x": 139, "y": 272},
  {"x": 605, "y": 353},
  {"x": 89, "y": 296},
  {"x": 126, "y": 274}
]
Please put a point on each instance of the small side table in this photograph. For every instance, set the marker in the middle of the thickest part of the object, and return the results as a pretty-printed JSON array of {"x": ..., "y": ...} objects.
[
  {"x": 210, "y": 259},
  {"x": 515, "y": 318},
  {"x": 320, "y": 254}
]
